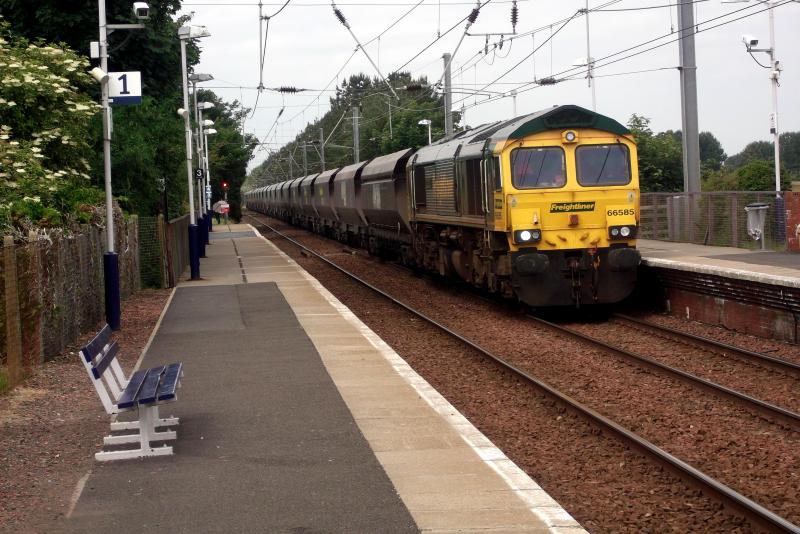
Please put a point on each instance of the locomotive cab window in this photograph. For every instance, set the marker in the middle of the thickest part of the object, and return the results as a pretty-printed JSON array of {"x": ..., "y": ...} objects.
[
  {"x": 601, "y": 165},
  {"x": 538, "y": 167}
]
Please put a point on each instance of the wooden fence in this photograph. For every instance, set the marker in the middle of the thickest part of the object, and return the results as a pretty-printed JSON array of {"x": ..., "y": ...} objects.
[{"x": 51, "y": 290}]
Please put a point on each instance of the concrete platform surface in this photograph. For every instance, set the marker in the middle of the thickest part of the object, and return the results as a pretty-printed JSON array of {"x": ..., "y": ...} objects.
[
  {"x": 295, "y": 417},
  {"x": 776, "y": 268}
]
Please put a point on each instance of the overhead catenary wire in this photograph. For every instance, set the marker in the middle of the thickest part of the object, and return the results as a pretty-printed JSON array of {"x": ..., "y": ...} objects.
[
  {"x": 454, "y": 26},
  {"x": 343, "y": 20},
  {"x": 566, "y": 74},
  {"x": 262, "y": 46},
  {"x": 552, "y": 79},
  {"x": 395, "y": 23},
  {"x": 471, "y": 18},
  {"x": 520, "y": 62}
]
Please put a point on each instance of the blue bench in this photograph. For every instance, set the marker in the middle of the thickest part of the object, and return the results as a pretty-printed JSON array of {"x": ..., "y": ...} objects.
[{"x": 144, "y": 391}]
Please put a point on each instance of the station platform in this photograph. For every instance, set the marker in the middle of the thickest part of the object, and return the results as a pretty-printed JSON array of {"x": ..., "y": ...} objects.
[
  {"x": 753, "y": 292},
  {"x": 296, "y": 417},
  {"x": 767, "y": 267}
]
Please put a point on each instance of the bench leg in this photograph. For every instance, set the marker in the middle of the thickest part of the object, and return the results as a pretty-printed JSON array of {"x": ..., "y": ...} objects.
[
  {"x": 148, "y": 419},
  {"x": 134, "y": 425}
]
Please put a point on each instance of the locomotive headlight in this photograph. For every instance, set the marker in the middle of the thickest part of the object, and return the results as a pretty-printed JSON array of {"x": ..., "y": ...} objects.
[
  {"x": 622, "y": 232},
  {"x": 569, "y": 137},
  {"x": 527, "y": 236}
]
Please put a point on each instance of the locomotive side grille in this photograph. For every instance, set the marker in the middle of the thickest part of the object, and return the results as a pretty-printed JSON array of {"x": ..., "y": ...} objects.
[{"x": 439, "y": 188}]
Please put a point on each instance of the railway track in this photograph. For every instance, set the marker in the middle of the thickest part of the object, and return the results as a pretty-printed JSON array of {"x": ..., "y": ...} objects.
[
  {"x": 749, "y": 402},
  {"x": 717, "y": 347},
  {"x": 759, "y": 515}
]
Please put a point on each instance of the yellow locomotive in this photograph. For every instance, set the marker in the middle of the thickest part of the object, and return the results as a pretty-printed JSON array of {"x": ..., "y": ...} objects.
[{"x": 544, "y": 207}]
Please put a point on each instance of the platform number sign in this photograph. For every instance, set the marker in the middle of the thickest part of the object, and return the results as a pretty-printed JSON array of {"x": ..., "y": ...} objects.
[
  {"x": 125, "y": 88},
  {"x": 198, "y": 174}
]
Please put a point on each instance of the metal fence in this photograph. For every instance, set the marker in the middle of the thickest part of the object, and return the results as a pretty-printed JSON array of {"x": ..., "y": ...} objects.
[
  {"x": 714, "y": 218},
  {"x": 163, "y": 249},
  {"x": 176, "y": 247}
]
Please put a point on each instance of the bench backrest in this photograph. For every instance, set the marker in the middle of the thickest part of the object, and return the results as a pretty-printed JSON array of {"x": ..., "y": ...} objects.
[{"x": 99, "y": 357}]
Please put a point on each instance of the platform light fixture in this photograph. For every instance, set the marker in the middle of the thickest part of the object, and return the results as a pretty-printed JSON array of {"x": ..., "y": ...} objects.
[
  {"x": 427, "y": 122},
  {"x": 186, "y": 33}
]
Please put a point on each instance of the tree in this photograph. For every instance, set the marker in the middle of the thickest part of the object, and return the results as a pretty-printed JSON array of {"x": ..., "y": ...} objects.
[
  {"x": 45, "y": 118},
  {"x": 762, "y": 150},
  {"x": 155, "y": 50},
  {"x": 228, "y": 152},
  {"x": 660, "y": 157},
  {"x": 376, "y": 135},
  {"x": 712, "y": 154},
  {"x": 149, "y": 159}
]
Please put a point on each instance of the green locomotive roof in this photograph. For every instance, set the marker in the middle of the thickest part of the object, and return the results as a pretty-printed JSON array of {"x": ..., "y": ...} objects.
[
  {"x": 472, "y": 141},
  {"x": 555, "y": 118}
]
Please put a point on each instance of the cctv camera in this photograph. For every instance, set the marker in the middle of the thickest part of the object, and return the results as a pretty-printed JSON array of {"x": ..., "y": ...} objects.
[
  {"x": 141, "y": 10},
  {"x": 749, "y": 41}
]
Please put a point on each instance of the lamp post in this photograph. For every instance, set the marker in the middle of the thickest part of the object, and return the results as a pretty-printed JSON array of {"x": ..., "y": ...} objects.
[
  {"x": 206, "y": 195},
  {"x": 774, "y": 80},
  {"x": 185, "y": 33},
  {"x": 204, "y": 219},
  {"x": 206, "y": 133},
  {"x": 426, "y": 122},
  {"x": 774, "y": 77},
  {"x": 110, "y": 258}
]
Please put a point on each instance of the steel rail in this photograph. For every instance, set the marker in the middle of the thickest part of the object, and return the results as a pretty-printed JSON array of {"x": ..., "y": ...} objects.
[
  {"x": 760, "y": 515},
  {"x": 765, "y": 408},
  {"x": 710, "y": 344}
]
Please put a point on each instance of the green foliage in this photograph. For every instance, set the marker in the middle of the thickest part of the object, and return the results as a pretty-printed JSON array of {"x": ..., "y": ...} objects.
[
  {"x": 712, "y": 155},
  {"x": 386, "y": 125},
  {"x": 753, "y": 169},
  {"x": 148, "y": 157},
  {"x": 660, "y": 157},
  {"x": 228, "y": 152},
  {"x": 762, "y": 150},
  {"x": 148, "y": 151},
  {"x": 756, "y": 175},
  {"x": 790, "y": 152},
  {"x": 155, "y": 50},
  {"x": 45, "y": 117}
]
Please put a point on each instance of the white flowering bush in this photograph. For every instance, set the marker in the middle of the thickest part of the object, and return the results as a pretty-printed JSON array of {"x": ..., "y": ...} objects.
[{"x": 45, "y": 116}]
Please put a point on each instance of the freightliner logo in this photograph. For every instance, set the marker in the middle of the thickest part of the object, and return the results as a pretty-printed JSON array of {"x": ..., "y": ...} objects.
[{"x": 568, "y": 207}]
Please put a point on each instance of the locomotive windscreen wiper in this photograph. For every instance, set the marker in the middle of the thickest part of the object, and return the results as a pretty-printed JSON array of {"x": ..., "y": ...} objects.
[{"x": 600, "y": 174}]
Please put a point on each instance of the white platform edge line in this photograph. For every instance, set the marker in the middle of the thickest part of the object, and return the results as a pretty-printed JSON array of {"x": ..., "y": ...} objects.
[
  {"x": 751, "y": 276},
  {"x": 522, "y": 485}
]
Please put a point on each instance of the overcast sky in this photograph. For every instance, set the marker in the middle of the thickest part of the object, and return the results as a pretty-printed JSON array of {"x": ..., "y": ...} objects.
[{"x": 307, "y": 45}]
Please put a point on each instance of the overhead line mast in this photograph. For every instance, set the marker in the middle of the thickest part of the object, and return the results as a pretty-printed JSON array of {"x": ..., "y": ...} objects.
[{"x": 688, "y": 70}]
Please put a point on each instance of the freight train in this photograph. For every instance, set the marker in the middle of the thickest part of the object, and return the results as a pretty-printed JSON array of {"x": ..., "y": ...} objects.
[{"x": 544, "y": 207}]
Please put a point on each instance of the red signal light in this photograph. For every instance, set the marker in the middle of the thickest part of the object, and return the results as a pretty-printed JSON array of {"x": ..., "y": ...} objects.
[{"x": 224, "y": 185}]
